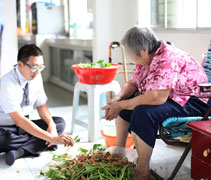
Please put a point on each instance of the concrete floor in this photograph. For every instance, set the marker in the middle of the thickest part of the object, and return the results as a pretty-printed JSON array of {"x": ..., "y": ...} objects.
[{"x": 163, "y": 159}]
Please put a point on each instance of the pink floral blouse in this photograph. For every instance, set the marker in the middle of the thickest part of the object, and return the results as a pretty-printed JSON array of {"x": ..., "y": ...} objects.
[{"x": 171, "y": 68}]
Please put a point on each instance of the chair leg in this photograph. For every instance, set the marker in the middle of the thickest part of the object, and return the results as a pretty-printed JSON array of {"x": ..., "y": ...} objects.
[
  {"x": 207, "y": 114},
  {"x": 156, "y": 175},
  {"x": 178, "y": 165},
  {"x": 168, "y": 140}
]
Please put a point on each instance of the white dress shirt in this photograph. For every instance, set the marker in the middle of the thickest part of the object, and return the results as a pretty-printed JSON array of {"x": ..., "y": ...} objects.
[{"x": 11, "y": 96}]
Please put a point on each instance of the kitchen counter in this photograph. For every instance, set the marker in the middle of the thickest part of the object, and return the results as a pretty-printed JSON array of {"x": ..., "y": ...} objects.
[
  {"x": 67, "y": 43},
  {"x": 63, "y": 53}
]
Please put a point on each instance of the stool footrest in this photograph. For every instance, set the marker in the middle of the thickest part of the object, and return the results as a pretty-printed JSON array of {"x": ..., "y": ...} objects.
[
  {"x": 81, "y": 123},
  {"x": 82, "y": 117}
]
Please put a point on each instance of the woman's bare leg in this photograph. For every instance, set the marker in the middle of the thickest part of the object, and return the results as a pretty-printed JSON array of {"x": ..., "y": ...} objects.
[
  {"x": 121, "y": 131},
  {"x": 144, "y": 154}
]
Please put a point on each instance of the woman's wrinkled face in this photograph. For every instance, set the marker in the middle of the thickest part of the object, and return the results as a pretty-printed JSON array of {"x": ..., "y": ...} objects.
[
  {"x": 137, "y": 60},
  {"x": 144, "y": 59}
]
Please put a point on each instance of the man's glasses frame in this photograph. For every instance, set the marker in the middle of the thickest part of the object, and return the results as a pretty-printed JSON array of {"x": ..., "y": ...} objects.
[{"x": 34, "y": 68}]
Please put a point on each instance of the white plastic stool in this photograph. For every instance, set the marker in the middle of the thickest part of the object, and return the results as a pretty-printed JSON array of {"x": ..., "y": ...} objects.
[{"x": 93, "y": 94}]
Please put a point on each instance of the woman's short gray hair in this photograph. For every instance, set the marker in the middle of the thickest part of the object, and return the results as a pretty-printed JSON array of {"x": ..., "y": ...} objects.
[{"x": 138, "y": 38}]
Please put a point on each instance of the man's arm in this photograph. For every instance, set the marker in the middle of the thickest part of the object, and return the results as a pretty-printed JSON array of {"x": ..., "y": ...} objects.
[
  {"x": 36, "y": 131},
  {"x": 46, "y": 116},
  {"x": 30, "y": 127}
]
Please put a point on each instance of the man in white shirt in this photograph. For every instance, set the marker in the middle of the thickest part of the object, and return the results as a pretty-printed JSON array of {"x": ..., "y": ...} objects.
[{"x": 21, "y": 90}]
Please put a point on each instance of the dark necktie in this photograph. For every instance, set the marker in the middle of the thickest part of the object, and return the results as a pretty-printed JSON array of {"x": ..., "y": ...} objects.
[{"x": 25, "y": 101}]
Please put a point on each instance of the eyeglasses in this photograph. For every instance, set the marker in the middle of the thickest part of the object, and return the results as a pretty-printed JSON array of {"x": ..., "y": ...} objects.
[{"x": 34, "y": 68}]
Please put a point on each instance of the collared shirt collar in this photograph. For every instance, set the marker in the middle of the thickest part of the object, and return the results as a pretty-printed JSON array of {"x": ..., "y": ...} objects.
[
  {"x": 21, "y": 78},
  {"x": 160, "y": 50}
]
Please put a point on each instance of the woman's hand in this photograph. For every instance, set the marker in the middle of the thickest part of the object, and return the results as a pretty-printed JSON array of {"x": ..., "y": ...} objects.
[
  {"x": 63, "y": 139},
  {"x": 115, "y": 99},
  {"x": 106, "y": 108},
  {"x": 112, "y": 110}
]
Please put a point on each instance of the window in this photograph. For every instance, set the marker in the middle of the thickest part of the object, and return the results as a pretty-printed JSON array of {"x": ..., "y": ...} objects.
[
  {"x": 175, "y": 13},
  {"x": 204, "y": 13},
  {"x": 81, "y": 21}
]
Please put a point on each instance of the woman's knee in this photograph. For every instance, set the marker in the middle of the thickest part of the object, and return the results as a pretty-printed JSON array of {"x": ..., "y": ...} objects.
[
  {"x": 144, "y": 125},
  {"x": 142, "y": 115}
]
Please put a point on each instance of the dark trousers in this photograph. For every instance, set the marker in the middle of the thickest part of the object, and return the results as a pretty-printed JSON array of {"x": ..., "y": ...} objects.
[
  {"x": 144, "y": 120},
  {"x": 13, "y": 137}
]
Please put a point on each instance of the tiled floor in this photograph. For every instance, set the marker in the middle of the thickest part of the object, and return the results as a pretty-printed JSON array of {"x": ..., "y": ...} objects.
[{"x": 163, "y": 159}]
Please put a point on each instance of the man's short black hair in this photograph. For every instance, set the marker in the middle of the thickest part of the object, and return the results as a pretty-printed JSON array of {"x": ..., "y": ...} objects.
[{"x": 28, "y": 50}]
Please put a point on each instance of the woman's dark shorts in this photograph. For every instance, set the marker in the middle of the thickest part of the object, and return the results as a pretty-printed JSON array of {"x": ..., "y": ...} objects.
[{"x": 144, "y": 120}]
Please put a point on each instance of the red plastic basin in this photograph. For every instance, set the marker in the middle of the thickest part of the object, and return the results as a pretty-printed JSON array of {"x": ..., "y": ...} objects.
[{"x": 95, "y": 75}]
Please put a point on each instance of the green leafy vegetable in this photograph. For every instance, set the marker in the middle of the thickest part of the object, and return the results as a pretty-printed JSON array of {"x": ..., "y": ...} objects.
[
  {"x": 97, "y": 148},
  {"x": 77, "y": 139},
  {"x": 83, "y": 151},
  {"x": 90, "y": 166},
  {"x": 61, "y": 157},
  {"x": 98, "y": 64}
]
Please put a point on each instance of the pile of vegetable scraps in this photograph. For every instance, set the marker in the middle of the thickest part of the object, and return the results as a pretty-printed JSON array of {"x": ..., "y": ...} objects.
[
  {"x": 90, "y": 164},
  {"x": 98, "y": 64}
]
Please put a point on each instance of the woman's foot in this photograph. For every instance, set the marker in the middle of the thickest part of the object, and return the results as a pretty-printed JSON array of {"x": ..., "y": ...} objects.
[{"x": 142, "y": 175}]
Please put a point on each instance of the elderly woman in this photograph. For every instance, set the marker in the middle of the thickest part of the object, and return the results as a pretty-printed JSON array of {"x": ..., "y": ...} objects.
[{"x": 166, "y": 79}]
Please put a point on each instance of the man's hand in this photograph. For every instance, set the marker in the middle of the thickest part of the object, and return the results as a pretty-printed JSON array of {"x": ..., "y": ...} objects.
[{"x": 63, "y": 139}]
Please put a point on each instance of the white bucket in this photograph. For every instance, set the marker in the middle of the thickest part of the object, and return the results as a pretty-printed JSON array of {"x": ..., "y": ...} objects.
[{"x": 108, "y": 127}]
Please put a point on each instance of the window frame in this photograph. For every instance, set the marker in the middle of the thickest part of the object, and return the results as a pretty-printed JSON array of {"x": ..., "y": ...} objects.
[{"x": 146, "y": 12}]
